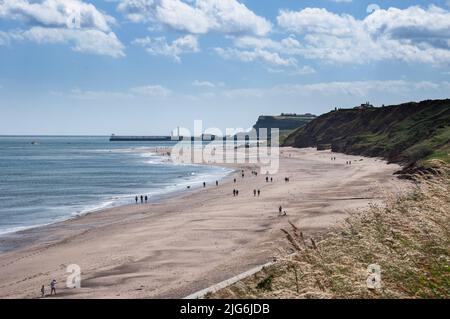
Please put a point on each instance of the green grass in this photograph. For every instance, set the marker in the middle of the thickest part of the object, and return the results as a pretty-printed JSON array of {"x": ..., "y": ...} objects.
[{"x": 414, "y": 134}]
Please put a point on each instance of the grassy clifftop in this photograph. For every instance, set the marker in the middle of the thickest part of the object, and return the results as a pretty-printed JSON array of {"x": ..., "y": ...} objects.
[
  {"x": 410, "y": 133},
  {"x": 286, "y": 123}
]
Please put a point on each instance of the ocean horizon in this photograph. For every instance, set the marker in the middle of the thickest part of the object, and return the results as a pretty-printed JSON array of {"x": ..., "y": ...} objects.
[{"x": 47, "y": 179}]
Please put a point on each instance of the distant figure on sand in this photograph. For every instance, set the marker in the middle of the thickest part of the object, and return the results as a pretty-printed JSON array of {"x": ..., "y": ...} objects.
[
  {"x": 42, "y": 291},
  {"x": 237, "y": 192},
  {"x": 235, "y": 180},
  {"x": 136, "y": 199},
  {"x": 254, "y": 193},
  {"x": 217, "y": 183},
  {"x": 267, "y": 179},
  {"x": 53, "y": 287},
  {"x": 142, "y": 199},
  {"x": 204, "y": 184},
  {"x": 146, "y": 198},
  {"x": 259, "y": 192},
  {"x": 280, "y": 209},
  {"x": 271, "y": 179},
  {"x": 243, "y": 175},
  {"x": 234, "y": 192}
]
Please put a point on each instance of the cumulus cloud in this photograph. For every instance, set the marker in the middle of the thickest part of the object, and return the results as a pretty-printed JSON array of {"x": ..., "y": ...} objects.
[
  {"x": 198, "y": 16},
  {"x": 271, "y": 53},
  {"x": 86, "y": 41},
  {"x": 265, "y": 56},
  {"x": 413, "y": 34},
  {"x": 63, "y": 21},
  {"x": 160, "y": 46}
]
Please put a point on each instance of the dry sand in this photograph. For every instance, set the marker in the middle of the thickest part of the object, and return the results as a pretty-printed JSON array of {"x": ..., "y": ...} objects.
[{"x": 180, "y": 245}]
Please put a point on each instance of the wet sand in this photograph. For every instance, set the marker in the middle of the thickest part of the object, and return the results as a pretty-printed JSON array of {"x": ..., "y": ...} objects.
[{"x": 179, "y": 245}]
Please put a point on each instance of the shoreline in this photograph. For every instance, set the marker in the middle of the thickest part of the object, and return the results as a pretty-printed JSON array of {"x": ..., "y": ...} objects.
[
  {"x": 162, "y": 195},
  {"x": 180, "y": 245}
]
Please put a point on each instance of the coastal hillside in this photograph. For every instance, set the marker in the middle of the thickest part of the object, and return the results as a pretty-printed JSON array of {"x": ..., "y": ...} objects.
[
  {"x": 410, "y": 134},
  {"x": 286, "y": 123}
]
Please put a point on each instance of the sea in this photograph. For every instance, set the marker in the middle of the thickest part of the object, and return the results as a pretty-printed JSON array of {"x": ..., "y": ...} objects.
[{"x": 45, "y": 179}]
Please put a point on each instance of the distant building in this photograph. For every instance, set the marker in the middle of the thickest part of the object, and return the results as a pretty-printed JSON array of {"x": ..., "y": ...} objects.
[
  {"x": 288, "y": 114},
  {"x": 364, "y": 106}
]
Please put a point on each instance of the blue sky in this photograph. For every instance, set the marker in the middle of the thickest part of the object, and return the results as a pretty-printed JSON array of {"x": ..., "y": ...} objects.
[{"x": 146, "y": 66}]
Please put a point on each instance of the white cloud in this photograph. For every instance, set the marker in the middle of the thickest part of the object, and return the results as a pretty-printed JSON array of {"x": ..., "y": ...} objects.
[
  {"x": 414, "y": 34},
  {"x": 359, "y": 90},
  {"x": 160, "y": 46},
  {"x": 256, "y": 54},
  {"x": 273, "y": 53},
  {"x": 151, "y": 91},
  {"x": 79, "y": 94},
  {"x": 206, "y": 84},
  {"x": 198, "y": 16},
  {"x": 56, "y": 13},
  {"x": 87, "y": 41},
  {"x": 62, "y": 21}
]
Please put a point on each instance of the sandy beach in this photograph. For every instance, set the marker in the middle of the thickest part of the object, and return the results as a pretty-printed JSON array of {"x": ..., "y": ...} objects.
[{"x": 176, "y": 246}]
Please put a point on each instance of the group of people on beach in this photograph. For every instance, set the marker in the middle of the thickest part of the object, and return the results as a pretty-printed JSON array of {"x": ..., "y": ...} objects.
[
  {"x": 142, "y": 197},
  {"x": 267, "y": 179},
  {"x": 257, "y": 192},
  {"x": 52, "y": 289},
  {"x": 346, "y": 163},
  {"x": 204, "y": 184}
]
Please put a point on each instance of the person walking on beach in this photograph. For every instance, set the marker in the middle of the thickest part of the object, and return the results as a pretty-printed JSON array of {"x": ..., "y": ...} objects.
[
  {"x": 271, "y": 179},
  {"x": 280, "y": 210},
  {"x": 142, "y": 199},
  {"x": 204, "y": 184},
  {"x": 136, "y": 199},
  {"x": 217, "y": 183},
  {"x": 254, "y": 193},
  {"x": 42, "y": 291},
  {"x": 259, "y": 192},
  {"x": 267, "y": 179},
  {"x": 146, "y": 198},
  {"x": 237, "y": 192},
  {"x": 53, "y": 287},
  {"x": 234, "y": 192},
  {"x": 235, "y": 180}
]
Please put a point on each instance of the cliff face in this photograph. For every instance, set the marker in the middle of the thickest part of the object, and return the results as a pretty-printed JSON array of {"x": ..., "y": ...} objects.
[
  {"x": 409, "y": 133},
  {"x": 283, "y": 122}
]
